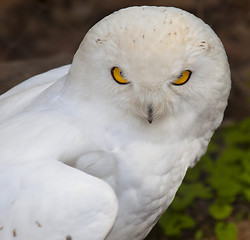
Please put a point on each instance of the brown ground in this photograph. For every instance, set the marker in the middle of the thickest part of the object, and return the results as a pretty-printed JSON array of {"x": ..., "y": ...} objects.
[{"x": 37, "y": 35}]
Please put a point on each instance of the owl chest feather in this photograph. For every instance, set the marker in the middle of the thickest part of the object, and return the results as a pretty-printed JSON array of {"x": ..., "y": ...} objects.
[{"x": 145, "y": 176}]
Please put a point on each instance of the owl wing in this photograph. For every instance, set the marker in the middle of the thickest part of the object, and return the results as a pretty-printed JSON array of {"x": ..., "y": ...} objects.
[
  {"x": 44, "y": 198},
  {"x": 50, "y": 200},
  {"x": 24, "y": 93}
]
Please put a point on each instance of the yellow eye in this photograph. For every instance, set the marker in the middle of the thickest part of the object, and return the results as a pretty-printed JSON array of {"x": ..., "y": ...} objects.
[
  {"x": 183, "y": 78},
  {"x": 117, "y": 75}
]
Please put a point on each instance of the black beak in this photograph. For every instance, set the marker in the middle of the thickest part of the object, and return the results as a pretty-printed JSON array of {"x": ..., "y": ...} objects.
[{"x": 150, "y": 114}]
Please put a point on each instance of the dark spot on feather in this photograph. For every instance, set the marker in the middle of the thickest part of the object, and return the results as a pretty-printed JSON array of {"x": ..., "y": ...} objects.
[
  {"x": 38, "y": 224},
  {"x": 69, "y": 237},
  {"x": 143, "y": 36},
  {"x": 1, "y": 228},
  {"x": 98, "y": 40},
  {"x": 204, "y": 45},
  {"x": 14, "y": 232},
  {"x": 171, "y": 22}
]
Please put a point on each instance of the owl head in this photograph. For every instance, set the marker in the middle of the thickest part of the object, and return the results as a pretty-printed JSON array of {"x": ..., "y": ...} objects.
[{"x": 157, "y": 65}]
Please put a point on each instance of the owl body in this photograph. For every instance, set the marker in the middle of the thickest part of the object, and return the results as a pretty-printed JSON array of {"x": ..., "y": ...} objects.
[{"x": 100, "y": 147}]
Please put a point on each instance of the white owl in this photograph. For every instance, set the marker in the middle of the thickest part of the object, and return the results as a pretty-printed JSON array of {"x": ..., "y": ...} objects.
[{"x": 98, "y": 149}]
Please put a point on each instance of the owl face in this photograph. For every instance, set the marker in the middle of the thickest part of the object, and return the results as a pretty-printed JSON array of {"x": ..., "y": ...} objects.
[{"x": 156, "y": 64}]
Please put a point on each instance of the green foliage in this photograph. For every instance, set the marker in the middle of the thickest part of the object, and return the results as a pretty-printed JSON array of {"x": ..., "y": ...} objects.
[
  {"x": 226, "y": 231},
  {"x": 221, "y": 179},
  {"x": 220, "y": 211},
  {"x": 173, "y": 225},
  {"x": 187, "y": 194},
  {"x": 198, "y": 235}
]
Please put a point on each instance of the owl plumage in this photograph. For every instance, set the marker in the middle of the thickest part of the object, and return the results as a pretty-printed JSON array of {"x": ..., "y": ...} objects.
[{"x": 98, "y": 149}]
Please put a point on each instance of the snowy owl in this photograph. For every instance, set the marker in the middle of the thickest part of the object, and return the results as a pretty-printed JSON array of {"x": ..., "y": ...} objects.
[{"x": 98, "y": 149}]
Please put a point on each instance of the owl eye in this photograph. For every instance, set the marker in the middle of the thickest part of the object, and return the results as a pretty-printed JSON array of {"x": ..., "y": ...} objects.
[
  {"x": 183, "y": 78},
  {"x": 117, "y": 75}
]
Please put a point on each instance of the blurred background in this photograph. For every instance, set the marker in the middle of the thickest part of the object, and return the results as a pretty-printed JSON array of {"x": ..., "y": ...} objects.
[{"x": 37, "y": 35}]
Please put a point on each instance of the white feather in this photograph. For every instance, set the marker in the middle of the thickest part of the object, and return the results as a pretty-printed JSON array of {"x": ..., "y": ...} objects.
[{"x": 78, "y": 156}]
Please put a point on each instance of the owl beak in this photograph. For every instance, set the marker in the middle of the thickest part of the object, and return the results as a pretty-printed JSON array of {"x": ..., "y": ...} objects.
[
  {"x": 150, "y": 114},
  {"x": 150, "y": 120}
]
